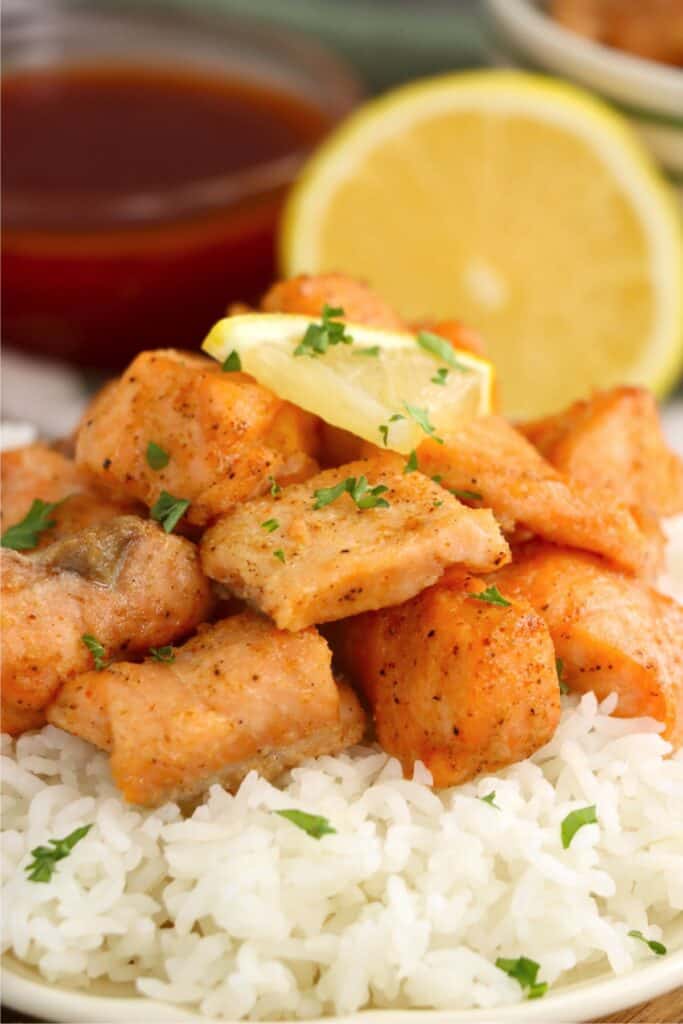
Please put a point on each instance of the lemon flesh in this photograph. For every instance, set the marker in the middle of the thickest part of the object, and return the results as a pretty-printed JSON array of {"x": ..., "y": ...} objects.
[
  {"x": 522, "y": 207},
  {"x": 354, "y": 389}
]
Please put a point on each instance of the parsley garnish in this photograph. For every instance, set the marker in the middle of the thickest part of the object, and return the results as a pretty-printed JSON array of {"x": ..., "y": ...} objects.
[
  {"x": 165, "y": 654},
  {"x": 275, "y": 488},
  {"x": 45, "y": 859},
  {"x": 437, "y": 478},
  {"x": 421, "y": 417},
  {"x": 524, "y": 971},
  {"x": 232, "y": 363},
  {"x": 576, "y": 820},
  {"x": 280, "y": 555},
  {"x": 364, "y": 496},
  {"x": 658, "y": 948},
  {"x": 24, "y": 535},
  {"x": 442, "y": 349},
  {"x": 319, "y": 337},
  {"x": 490, "y": 799},
  {"x": 384, "y": 429},
  {"x": 466, "y": 495},
  {"x": 491, "y": 595},
  {"x": 372, "y": 351},
  {"x": 437, "y": 503},
  {"x": 314, "y": 825},
  {"x": 559, "y": 668},
  {"x": 270, "y": 525},
  {"x": 168, "y": 510},
  {"x": 411, "y": 465},
  {"x": 97, "y": 651},
  {"x": 440, "y": 377},
  {"x": 157, "y": 458}
]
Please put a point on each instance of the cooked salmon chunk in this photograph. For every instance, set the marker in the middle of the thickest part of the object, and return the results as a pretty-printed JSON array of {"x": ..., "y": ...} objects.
[
  {"x": 303, "y": 564},
  {"x": 125, "y": 583},
  {"x": 501, "y": 470},
  {"x": 37, "y": 472},
  {"x": 463, "y": 685},
  {"x": 217, "y": 436},
  {"x": 240, "y": 695},
  {"x": 308, "y": 295},
  {"x": 613, "y": 633},
  {"x": 614, "y": 440}
]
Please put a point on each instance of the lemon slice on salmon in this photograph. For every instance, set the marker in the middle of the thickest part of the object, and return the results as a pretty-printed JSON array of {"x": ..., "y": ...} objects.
[
  {"x": 519, "y": 205},
  {"x": 389, "y": 388}
]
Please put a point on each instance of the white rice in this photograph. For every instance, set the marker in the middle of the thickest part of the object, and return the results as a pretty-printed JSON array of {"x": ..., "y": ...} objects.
[{"x": 235, "y": 912}]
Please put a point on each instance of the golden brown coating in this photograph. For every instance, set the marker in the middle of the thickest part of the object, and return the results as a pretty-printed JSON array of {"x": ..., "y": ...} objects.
[
  {"x": 125, "y": 582},
  {"x": 340, "y": 560},
  {"x": 460, "y": 684},
  {"x": 652, "y": 29},
  {"x": 493, "y": 460},
  {"x": 240, "y": 695},
  {"x": 307, "y": 296},
  {"x": 613, "y": 633}
]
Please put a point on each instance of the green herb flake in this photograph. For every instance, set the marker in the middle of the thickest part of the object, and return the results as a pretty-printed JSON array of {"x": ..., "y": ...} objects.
[
  {"x": 524, "y": 971},
  {"x": 658, "y": 948},
  {"x": 45, "y": 858},
  {"x": 491, "y": 595},
  {"x": 25, "y": 535},
  {"x": 411, "y": 465},
  {"x": 576, "y": 820},
  {"x": 437, "y": 478},
  {"x": 319, "y": 337},
  {"x": 384, "y": 428},
  {"x": 442, "y": 349},
  {"x": 164, "y": 654},
  {"x": 326, "y": 495},
  {"x": 490, "y": 799},
  {"x": 440, "y": 377},
  {"x": 372, "y": 351},
  {"x": 280, "y": 555},
  {"x": 437, "y": 503},
  {"x": 362, "y": 494},
  {"x": 464, "y": 495},
  {"x": 168, "y": 510},
  {"x": 157, "y": 458},
  {"x": 232, "y": 363},
  {"x": 559, "y": 668},
  {"x": 421, "y": 417},
  {"x": 270, "y": 525},
  {"x": 97, "y": 651},
  {"x": 312, "y": 824},
  {"x": 275, "y": 488}
]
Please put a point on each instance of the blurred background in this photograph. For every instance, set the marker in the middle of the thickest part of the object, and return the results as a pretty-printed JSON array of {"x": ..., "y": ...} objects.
[{"x": 138, "y": 203}]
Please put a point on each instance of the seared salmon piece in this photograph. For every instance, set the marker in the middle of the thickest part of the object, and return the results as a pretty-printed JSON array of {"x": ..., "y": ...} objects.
[
  {"x": 493, "y": 461},
  {"x": 223, "y": 434},
  {"x": 463, "y": 685},
  {"x": 614, "y": 440},
  {"x": 125, "y": 583},
  {"x": 613, "y": 633},
  {"x": 240, "y": 695},
  {"x": 308, "y": 295},
  {"x": 39, "y": 472},
  {"x": 303, "y": 565}
]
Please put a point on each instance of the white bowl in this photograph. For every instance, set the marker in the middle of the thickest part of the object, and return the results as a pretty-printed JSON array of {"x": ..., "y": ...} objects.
[{"x": 650, "y": 94}]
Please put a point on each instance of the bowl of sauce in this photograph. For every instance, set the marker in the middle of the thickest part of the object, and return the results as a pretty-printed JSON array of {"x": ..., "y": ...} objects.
[{"x": 145, "y": 156}]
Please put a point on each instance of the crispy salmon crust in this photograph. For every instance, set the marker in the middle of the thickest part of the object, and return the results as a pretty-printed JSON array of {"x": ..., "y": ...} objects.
[{"x": 339, "y": 559}]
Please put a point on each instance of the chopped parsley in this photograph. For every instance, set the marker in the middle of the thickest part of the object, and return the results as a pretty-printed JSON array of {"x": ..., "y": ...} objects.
[
  {"x": 464, "y": 495},
  {"x": 437, "y": 478},
  {"x": 442, "y": 349},
  {"x": 358, "y": 488},
  {"x": 280, "y": 555},
  {"x": 168, "y": 510},
  {"x": 313, "y": 824},
  {"x": 576, "y": 820},
  {"x": 319, "y": 337},
  {"x": 559, "y": 668},
  {"x": 421, "y": 417},
  {"x": 437, "y": 503},
  {"x": 270, "y": 525},
  {"x": 524, "y": 971},
  {"x": 25, "y": 535},
  {"x": 165, "y": 654},
  {"x": 232, "y": 363},
  {"x": 45, "y": 857},
  {"x": 440, "y": 377},
  {"x": 411, "y": 465},
  {"x": 658, "y": 948},
  {"x": 490, "y": 799},
  {"x": 491, "y": 595},
  {"x": 275, "y": 488},
  {"x": 157, "y": 458},
  {"x": 373, "y": 350},
  {"x": 384, "y": 429},
  {"x": 97, "y": 651}
]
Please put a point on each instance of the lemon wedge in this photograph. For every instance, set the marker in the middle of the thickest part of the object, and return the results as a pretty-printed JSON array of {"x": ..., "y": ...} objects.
[
  {"x": 386, "y": 387},
  {"x": 521, "y": 206}
]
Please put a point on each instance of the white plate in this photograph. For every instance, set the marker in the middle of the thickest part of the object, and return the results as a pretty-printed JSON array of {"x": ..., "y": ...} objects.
[{"x": 24, "y": 990}]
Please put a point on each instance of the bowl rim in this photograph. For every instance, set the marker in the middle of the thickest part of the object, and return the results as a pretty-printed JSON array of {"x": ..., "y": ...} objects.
[{"x": 653, "y": 91}]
